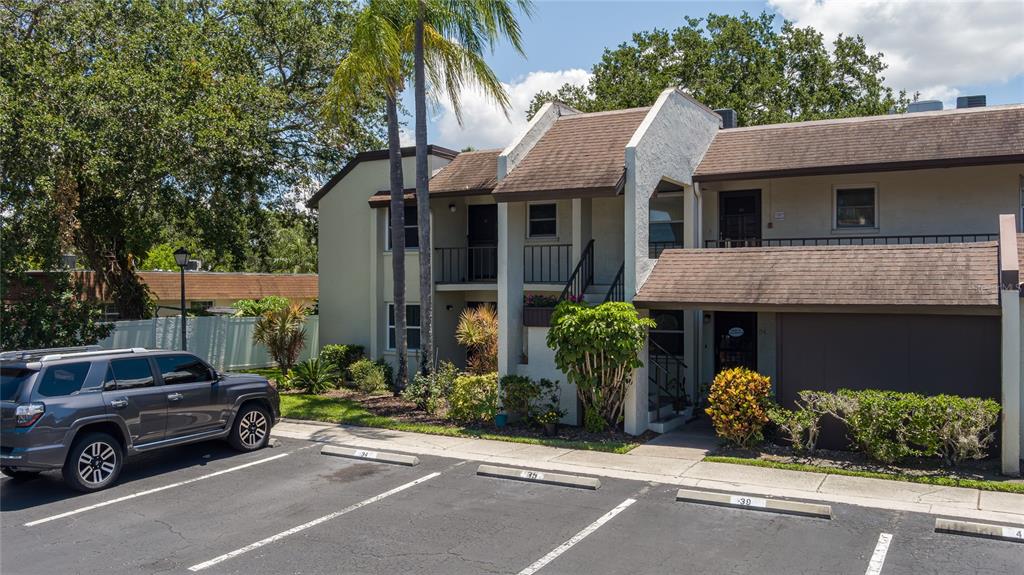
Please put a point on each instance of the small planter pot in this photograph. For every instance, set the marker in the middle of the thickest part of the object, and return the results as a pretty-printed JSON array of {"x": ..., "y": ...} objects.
[
  {"x": 500, "y": 420},
  {"x": 551, "y": 429}
]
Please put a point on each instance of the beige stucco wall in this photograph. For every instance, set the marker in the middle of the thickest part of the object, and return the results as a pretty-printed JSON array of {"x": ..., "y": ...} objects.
[
  {"x": 938, "y": 201},
  {"x": 355, "y": 269},
  {"x": 607, "y": 228}
]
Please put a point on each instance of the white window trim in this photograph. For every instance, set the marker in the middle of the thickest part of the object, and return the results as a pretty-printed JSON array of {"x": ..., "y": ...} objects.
[
  {"x": 836, "y": 229},
  {"x": 542, "y": 203},
  {"x": 387, "y": 230},
  {"x": 390, "y": 326}
]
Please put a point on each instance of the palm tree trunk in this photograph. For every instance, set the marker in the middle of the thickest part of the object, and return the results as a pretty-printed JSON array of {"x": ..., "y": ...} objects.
[
  {"x": 397, "y": 241},
  {"x": 423, "y": 202}
]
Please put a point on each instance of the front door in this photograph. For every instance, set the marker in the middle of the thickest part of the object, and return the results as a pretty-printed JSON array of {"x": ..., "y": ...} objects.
[
  {"x": 483, "y": 242},
  {"x": 739, "y": 218},
  {"x": 735, "y": 340}
]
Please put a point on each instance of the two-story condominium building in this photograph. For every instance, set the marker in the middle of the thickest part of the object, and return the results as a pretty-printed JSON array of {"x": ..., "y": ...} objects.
[{"x": 857, "y": 253}]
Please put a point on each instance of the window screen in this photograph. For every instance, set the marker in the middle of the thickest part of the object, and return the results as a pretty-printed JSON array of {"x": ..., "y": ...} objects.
[
  {"x": 855, "y": 207},
  {"x": 543, "y": 220}
]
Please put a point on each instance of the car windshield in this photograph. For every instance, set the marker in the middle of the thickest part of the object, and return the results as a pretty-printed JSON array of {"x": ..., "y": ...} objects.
[{"x": 11, "y": 379}]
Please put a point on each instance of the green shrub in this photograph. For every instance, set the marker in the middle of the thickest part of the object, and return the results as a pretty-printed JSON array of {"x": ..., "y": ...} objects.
[
  {"x": 474, "y": 398},
  {"x": 431, "y": 392},
  {"x": 963, "y": 426},
  {"x": 518, "y": 394},
  {"x": 389, "y": 372},
  {"x": 258, "y": 307},
  {"x": 738, "y": 405},
  {"x": 341, "y": 356},
  {"x": 314, "y": 376},
  {"x": 800, "y": 426},
  {"x": 597, "y": 348},
  {"x": 369, "y": 376},
  {"x": 593, "y": 422}
]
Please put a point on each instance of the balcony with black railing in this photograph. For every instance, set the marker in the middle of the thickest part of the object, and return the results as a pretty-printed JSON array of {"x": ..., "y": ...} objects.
[
  {"x": 547, "y": 263},
  {"x": 851, "y": 240},
  {"x": 475, "y": 264}
]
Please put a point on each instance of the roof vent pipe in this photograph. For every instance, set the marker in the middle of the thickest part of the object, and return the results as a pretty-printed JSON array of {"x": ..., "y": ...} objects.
[
  {"x": 728, "y": 117},
  {"x": 971, "y": 101}
]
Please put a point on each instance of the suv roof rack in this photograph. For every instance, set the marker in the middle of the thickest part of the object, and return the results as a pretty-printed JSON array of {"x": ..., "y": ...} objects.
[
  {"x": 35, "y": 354},
  {"x": 90, "y": 353}
]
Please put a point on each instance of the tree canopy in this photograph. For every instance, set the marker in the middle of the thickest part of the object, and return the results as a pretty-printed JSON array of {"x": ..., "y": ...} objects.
[
  {"x": 766, "y": 74},
  {"x": 125, "y": 125}
]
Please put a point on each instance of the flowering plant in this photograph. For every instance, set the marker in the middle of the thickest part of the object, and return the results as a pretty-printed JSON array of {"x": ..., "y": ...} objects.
[{"x": 538, "y": 300}]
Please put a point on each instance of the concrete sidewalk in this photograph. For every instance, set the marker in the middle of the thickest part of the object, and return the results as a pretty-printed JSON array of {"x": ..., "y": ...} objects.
[{"x": 666, "y": 461}]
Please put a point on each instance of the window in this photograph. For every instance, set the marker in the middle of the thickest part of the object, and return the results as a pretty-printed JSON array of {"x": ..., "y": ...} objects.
[
  {"x": 412, "y": 231},
  {"x": 412, "y": 326},
  {"x": 59, "y": 380},
  {"x": 11, "y": 379},
  {"x": 129, "y": 374},
  {"x": 179, "y": 369},
  {"x": 856, "y": 208},
  {"x": 200, "y": 306},
  {"x": 668, "y": 334},
  {"x": 543, "y": 220},
  {"x": 666, "y": 224}
]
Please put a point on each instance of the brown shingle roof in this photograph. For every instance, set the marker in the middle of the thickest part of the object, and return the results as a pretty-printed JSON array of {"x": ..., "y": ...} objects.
[
  {"x": 214, "y": 285},
  {"x": 970, "y": 136},
  {"x": 580, "y": 155},
  {"x": 922, "y": 276},
  {"x": 469, "y": 174}
]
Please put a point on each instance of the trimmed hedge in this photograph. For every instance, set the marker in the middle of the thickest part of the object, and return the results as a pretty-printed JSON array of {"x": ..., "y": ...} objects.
[{"x": 738, "y": 405}]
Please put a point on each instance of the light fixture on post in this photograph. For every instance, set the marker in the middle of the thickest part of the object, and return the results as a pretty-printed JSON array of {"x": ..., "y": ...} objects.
[{"x": 181, "y": 258}]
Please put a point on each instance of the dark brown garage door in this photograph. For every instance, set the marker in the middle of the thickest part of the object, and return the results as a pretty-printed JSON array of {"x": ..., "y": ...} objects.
[{"x": 929, "y": 354}]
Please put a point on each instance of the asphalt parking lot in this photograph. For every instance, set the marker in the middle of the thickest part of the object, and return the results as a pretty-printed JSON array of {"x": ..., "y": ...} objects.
[{"x": 206, "y": 509}]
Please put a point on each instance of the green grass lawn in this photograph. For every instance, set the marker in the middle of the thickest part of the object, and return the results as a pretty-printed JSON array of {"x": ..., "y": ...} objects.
[
  {"x": 347, "y": 411},
  {"x": 982, "y": 484}
]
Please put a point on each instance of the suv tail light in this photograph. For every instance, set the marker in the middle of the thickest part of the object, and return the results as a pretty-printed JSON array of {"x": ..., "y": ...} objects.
[{"x": 27, "y": 414}]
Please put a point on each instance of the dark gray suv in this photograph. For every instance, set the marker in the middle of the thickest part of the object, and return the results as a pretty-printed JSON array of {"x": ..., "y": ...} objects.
[{"x": 84, "y": 411}]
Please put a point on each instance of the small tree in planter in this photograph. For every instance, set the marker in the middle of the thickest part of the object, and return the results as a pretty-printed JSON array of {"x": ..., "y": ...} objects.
[{"x": 598, "y": 348}]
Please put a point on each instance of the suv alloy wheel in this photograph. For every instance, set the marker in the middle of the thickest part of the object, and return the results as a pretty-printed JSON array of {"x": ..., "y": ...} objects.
[
  {"x": 251, "y": 430},
  {"x": 93, "y": 463}
]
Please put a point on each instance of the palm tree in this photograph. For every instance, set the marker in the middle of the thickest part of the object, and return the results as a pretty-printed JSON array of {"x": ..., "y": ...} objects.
[
  {"x": 374, "y": 70},
  {"x": 449, "y": 38}
]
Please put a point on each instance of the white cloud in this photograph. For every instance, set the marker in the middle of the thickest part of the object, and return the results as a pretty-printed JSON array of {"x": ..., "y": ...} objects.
[
  {"x": 932, "y": 47},
  {"x": 484, "y": 125}
]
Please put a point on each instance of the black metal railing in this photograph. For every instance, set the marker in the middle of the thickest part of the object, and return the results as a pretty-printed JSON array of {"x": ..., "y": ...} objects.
[
  {"x": 852, "y": 240},
  {"x": 654, "y": 249},
  {"x": 617, "y": 291},
  {"x": 667, "y": 376},
  {"x": 547, "y": 263},
  {"x": 466, "y": 265},
  {"x": 581, "y": 277}
]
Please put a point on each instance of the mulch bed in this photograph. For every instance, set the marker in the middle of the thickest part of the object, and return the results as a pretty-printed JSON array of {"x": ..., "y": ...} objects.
[
  {"x": 396, "y": 408},
  {"x": 987, "y": 469}
]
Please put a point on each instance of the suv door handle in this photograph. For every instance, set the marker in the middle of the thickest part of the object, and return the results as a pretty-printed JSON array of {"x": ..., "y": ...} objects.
[
  {"x": 174, "y": 396},
  {"x": 119, "y": 403}
]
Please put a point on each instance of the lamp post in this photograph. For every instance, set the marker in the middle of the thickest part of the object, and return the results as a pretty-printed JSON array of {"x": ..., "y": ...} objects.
[{"x": 181, "y": 258}]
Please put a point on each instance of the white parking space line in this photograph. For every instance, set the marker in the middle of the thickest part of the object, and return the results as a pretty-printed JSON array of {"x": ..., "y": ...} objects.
[
  {"x": 152, "y": 491},
  {"x": 878, "y": 558},
  {"x": 540, "y": 563},
  {"x": 304, "y": 526}
]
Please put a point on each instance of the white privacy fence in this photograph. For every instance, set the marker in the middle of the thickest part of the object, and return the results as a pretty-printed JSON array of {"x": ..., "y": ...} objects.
[{"x": 225, "y": 342}]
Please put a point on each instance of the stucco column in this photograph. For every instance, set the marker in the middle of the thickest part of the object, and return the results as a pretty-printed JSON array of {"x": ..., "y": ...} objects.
[
  {"x": 511, "y": 240},
  {"x": 1009, "y": 300},
  {"x": 635, "y": 416},
  {"x": 582, "y": 216},
  {"x": 374, "y": 271}
]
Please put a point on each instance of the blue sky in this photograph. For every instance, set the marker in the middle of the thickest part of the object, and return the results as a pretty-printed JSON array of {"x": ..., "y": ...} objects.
[{"x": 943, "y": 48}]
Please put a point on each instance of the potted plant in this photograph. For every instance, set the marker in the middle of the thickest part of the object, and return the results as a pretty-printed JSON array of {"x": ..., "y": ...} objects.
[
  {"x": 537, "y": 309},
  {"x": 549, "y": 419}
]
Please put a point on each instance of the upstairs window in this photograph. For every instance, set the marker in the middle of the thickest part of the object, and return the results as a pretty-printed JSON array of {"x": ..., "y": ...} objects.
[
  {"x": 856, "y": 208},
  {"x": 412, "y": 231},
  {"x": 543, "y": 220},
  {"x": 666, "y": 224}
]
